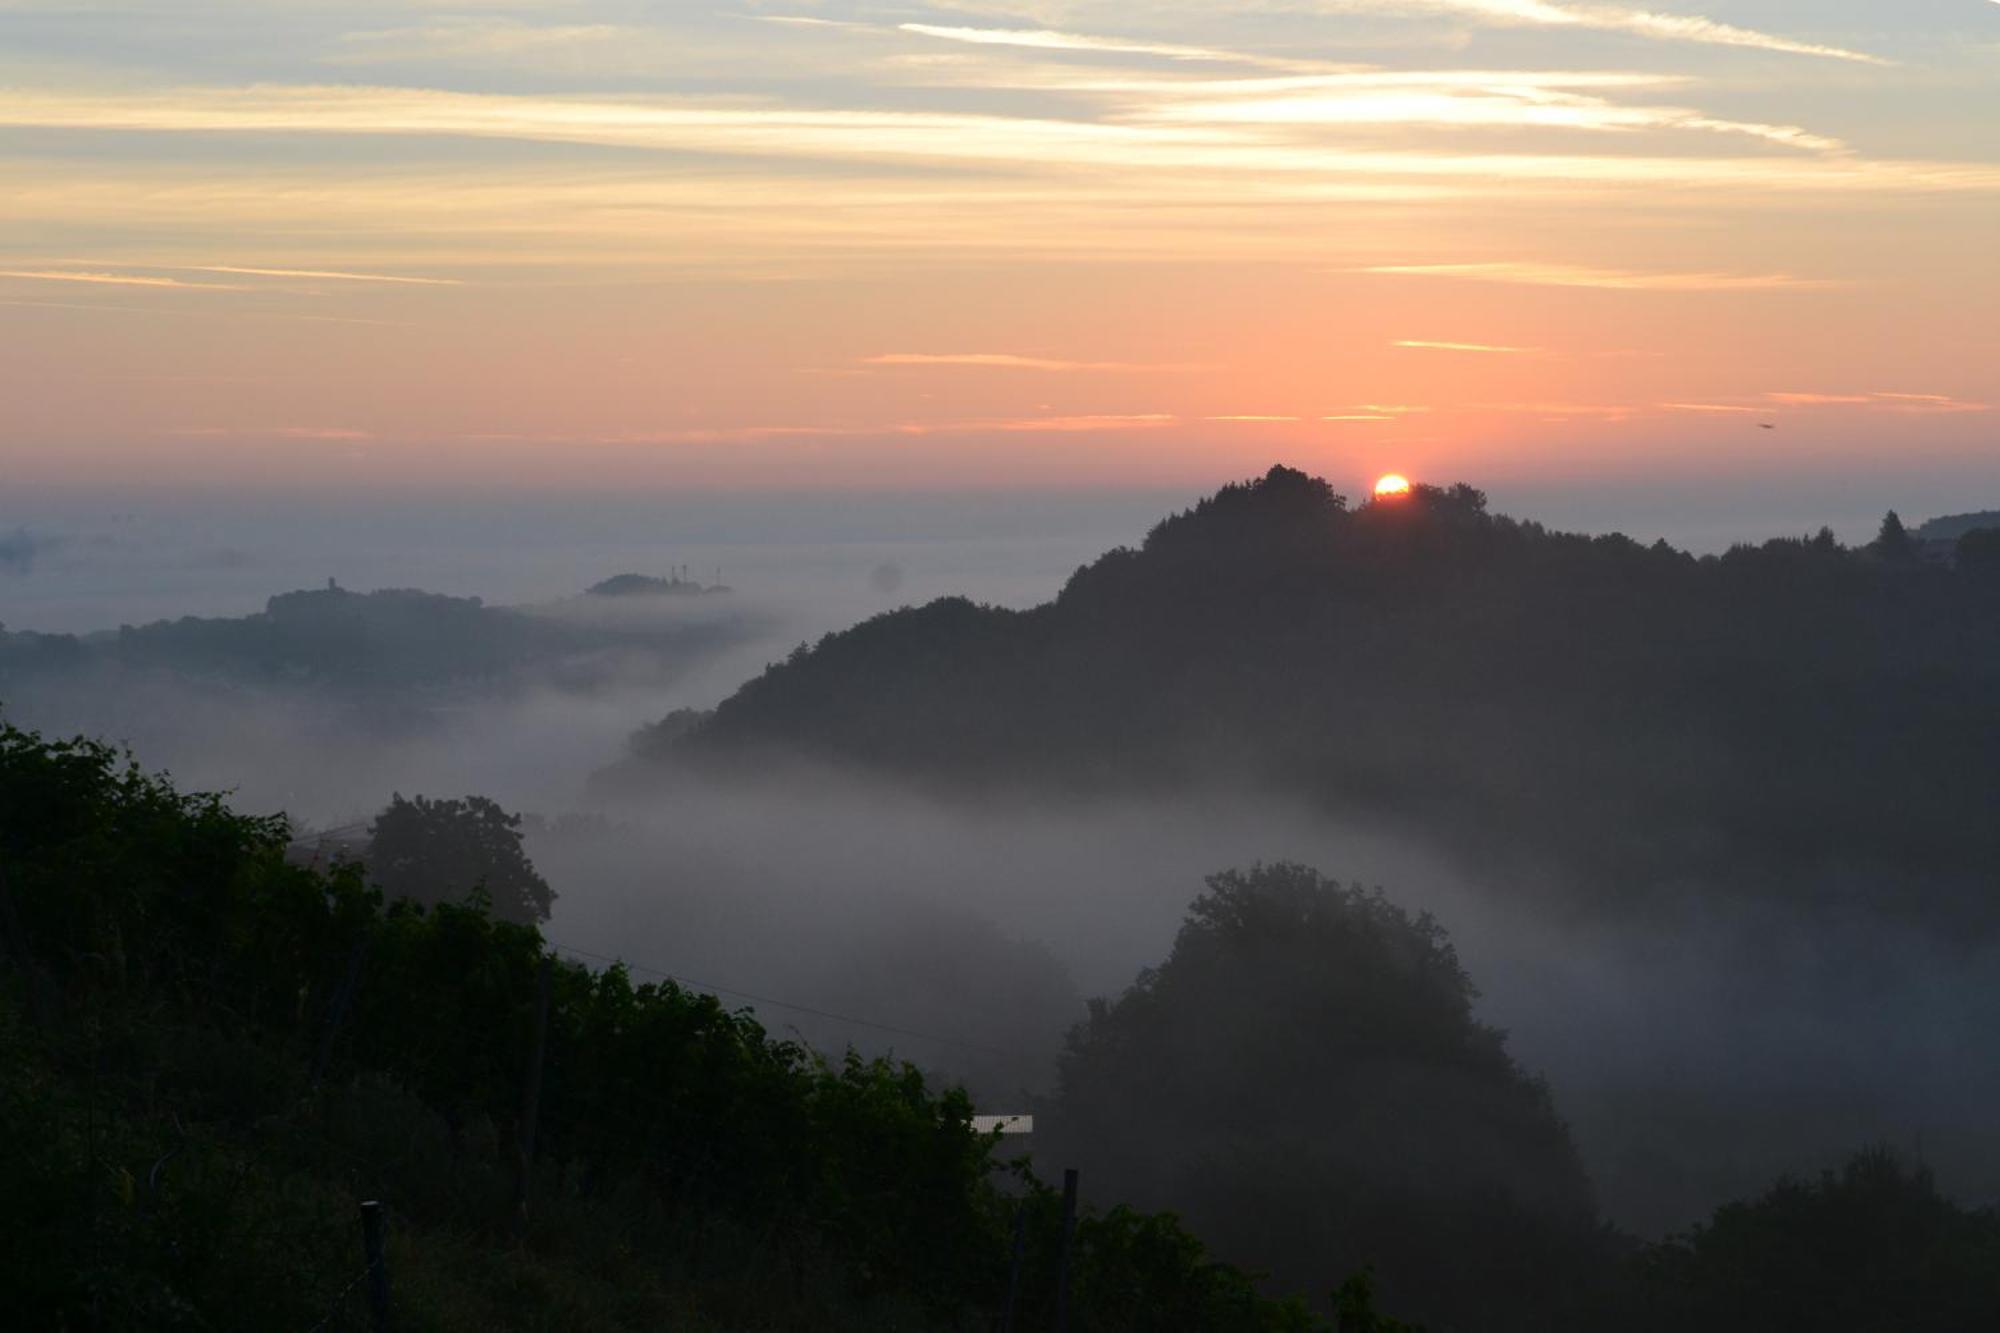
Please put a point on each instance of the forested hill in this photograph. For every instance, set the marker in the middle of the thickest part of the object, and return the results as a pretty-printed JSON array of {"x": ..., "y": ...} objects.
[
  {"x": 1954, "y": 526},
  {"x": 389, "y": 641},
  {"x": 1791, "y": 715}
]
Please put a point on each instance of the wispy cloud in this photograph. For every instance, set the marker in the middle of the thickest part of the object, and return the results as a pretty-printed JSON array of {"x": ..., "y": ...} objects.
[
  {"x": 1254, "y": 418},
  {"x": 1251, "y": 156},
  {"x": 1914, "y": 403},
  {"x": 1040, "y": 39},
  {"x": 1930, "y": 402},
  {"x": 1425, "y": 345},
  {"x": 325, "y": 274},
  {"x": 1819, "y": 399},
  {"x": 115, "y": 279},
  {"x": 1532, "y": 274},
  {"x": 1606, "y": 18},
  {"x": 1490, "y": 99},
  {"x": 1917, "y": 403}
]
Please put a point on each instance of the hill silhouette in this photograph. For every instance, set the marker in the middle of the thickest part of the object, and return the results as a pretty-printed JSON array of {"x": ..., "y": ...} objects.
[
  {"x": 1954, "y": 526},
  {"x": 1589, "y": 714},
  {"x": 356, "y": 644},
  {"x": 645, "y": 585}
]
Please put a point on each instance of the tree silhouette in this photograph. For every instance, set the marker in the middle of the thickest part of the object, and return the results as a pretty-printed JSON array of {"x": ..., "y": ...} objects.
[
  {"x": 444, "y": 851},
  {"x": 1868, "y": 1247},
  {"x": 1894, "y": 542},
  {"x": 1304, "y": 1080}
]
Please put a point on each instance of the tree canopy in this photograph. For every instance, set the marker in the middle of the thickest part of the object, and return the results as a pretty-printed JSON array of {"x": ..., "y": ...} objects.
[
  {"x": 1869, "y": 1246},
  {"x": 1304, "y": 1079},
  {"x": 447, "y": 851},
  {"x": 1894, "y": 542}
]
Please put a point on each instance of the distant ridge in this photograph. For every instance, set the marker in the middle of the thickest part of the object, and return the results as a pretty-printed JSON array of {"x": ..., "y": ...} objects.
[
  {"x": 1952, "y": 527},
  {"x": 393, "y": 641},
  {"x": 1603, "y": 717},
  {"x": 645, "y": 585}
]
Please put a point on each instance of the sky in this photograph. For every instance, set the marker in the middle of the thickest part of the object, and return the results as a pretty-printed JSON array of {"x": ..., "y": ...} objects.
[{"x": 270, "y": 247}]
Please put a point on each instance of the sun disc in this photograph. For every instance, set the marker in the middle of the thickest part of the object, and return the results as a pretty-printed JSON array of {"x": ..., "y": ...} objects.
[{"x": 1392, "y": 486}]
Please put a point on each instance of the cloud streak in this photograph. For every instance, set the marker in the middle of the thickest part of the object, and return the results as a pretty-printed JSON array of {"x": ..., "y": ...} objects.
[
  {"x": 1259, "y": 158},
  {"x": 1909, "y": 403},
  {"x": 1605, "y": 18},
  {"x": 325, "y": 274},
  {"x": 116, "y": 280},
  {"x": 1533, "y": 274},
  {"x": 1425, "y": 345},
  {"x": 1045, "y": 40}
]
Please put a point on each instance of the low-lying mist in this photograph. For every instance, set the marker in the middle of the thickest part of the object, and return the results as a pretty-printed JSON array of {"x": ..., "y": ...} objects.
[
  {"x": 329, "y": 753},
  {"x": 1695, "y": 1056}
]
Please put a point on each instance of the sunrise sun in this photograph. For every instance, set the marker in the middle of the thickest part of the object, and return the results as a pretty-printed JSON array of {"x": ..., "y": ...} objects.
[{"x": 1392, "y": 487}]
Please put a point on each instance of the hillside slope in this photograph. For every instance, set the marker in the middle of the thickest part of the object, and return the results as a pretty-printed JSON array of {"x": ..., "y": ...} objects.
[
  {"x": 1796, "y": 717},
  {"x": 209, "y": 1057}
]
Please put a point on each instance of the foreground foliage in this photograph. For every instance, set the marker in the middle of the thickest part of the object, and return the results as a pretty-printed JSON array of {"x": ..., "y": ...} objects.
[
  {"x": 1873, "y": 1245},
  {"x": 209, "y": 1056}
]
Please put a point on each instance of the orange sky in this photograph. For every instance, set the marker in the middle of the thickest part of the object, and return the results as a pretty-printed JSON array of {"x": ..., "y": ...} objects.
[{"x": 845, "y": 244}]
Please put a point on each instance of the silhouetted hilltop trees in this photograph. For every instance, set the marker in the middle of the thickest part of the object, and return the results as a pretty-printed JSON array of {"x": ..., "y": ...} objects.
[
  {"x": 1304, "y": 1081},
  {"x": 645, "y": 585},
  {"x": 1893, "y": 542},
  {"x": 1791, "y": 717}
]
